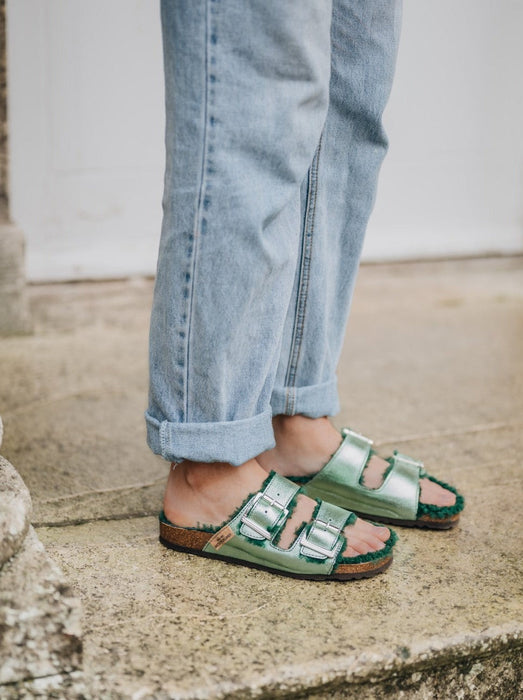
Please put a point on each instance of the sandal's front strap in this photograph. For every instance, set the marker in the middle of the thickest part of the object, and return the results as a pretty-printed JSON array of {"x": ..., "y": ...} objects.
[
  {"x": 340, "y": 481},
  {"x": 324, "y": 538}
]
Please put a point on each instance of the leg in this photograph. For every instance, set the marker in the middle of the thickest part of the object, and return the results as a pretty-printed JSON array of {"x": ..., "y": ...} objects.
[
  {"x": 246, "y": 95},
  {"x": 246, "y": 98},
  {"x": 337, "y": 198}
]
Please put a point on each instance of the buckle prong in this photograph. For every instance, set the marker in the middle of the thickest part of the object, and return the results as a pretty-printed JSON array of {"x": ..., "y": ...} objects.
[{"x": 273, "y": 503}]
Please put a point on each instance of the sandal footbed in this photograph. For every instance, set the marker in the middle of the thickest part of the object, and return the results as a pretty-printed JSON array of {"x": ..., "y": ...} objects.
[
  {"x": 192, "y": 541},
  {"x": 425, "y": 521}
]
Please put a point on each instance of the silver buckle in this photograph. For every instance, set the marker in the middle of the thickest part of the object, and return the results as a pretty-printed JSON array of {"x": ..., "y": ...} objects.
[
  {"x": 329, "y": 553},
  {"x": 254, "y": 525}
]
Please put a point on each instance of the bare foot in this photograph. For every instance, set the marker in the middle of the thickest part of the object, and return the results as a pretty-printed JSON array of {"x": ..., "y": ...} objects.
[
  {"x": 304, "y": 445},
  {"x": 199, "y": 494}
]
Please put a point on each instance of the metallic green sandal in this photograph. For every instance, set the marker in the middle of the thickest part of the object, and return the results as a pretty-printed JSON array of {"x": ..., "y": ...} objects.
[
  {"x": 396, "y": 501},
  {"x": 250, "y": 536}
]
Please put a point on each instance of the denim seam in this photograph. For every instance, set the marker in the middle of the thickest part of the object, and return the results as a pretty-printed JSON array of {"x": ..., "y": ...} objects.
[
  {"x": 303, "y": 283},
  {"x": 199, "y": 220},
  {"x": 161, "y": 434}
]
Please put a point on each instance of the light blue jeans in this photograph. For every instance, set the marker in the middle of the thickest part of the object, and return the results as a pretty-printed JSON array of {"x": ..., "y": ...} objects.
[{"x": 274, "y": 141}]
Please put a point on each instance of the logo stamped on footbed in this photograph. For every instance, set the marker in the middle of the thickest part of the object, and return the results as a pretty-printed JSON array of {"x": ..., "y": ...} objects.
[{"x": 221, "y": 537}]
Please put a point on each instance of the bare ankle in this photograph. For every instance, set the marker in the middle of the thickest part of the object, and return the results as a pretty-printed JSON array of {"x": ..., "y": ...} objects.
[
  {"x": 208, "y": 491},
  {"x": 303, "y": 445},
  {"x": 199, "y": 476},
  {"x": 298, "y": 424}
]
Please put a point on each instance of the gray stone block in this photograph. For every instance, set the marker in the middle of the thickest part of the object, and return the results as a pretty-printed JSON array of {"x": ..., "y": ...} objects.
[
  {"x": 15, "y": 510},
  {"x": 39, "y": 617},
  {"x": 14, "y": 314}
]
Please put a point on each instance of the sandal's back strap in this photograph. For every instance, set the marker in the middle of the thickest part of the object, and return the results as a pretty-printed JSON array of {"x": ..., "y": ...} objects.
[{"x": 268, "y": 510}]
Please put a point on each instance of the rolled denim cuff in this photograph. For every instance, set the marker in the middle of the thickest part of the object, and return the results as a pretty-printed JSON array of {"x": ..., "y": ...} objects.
[
  {"x": 312, "y": 401},
  {"x": 234, "y": 442}
]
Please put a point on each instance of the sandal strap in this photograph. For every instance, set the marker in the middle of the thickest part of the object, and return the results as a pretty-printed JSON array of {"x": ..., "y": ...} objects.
[
  {"x": 340, "y": 481},
  {"x": 267, "y": 511},
  {"x": 324, "y": 538},
  {"x": 355, "y": 451},
  {"x": 399, "y": 457}
]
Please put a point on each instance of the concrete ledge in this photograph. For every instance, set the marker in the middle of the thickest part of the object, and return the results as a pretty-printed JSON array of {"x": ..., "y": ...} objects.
[
  {"x": 473, "y": 666},
  {"x": 39, "y": 617}
]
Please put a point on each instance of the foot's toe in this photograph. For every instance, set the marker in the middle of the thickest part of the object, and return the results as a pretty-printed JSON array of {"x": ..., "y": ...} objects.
[
  {"x": 362, "y": 547},
  {"x": 375, "y": 544},
  {"x": 364, "y": 537},
  {"x": 435, "y": 494},
  {"x": 382, "y": 533}
]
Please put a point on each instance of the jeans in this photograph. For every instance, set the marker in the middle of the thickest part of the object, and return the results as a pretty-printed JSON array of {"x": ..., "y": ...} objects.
[{"x": 274, "y": 141}]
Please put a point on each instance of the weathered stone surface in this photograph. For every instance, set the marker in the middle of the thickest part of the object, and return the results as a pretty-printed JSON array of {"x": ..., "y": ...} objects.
[
  {"x": 39, "y": 617},
  {"x": 1, "y": 431},
  {"x": 69, "y": 686},
  {"x": 161, "y": 622},
  {"x": 433, "y": 352},
  {"x": 432, "y": 366},
  {"x": 15, "y": 510},
  {"x": 14, "y": 315},
  {"x": 467, "y": 677},
  {"x": 80, "y": 383}
]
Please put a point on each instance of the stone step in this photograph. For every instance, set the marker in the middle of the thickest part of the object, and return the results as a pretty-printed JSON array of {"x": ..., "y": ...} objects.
[
  {"x": 432, "y": 367},
  {"x": 39, "y": 617},
  {"x": 39, "y": 614},
  {"x": 161, "y": 624},
  {"x": 15, "y": 510}
]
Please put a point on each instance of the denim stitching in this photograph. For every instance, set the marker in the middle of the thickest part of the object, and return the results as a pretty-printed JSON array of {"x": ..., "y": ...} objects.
[
  {"x": 207, "y": 169},
  {"x": 303, "y": 284}
]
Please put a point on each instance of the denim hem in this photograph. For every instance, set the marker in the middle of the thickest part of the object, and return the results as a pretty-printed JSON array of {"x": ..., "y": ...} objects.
[
  {"x": 312, "y": 401},
  {"x": 234, "y": 442}
]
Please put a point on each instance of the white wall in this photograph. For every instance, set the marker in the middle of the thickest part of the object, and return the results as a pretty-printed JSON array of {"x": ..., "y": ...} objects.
[
  {"x": 452, "y": 183},
  {"x": 86, "y": 121},
  {"x": 86, "y": 130}
]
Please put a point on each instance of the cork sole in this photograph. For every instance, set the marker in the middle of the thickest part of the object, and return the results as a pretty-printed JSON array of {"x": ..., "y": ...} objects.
[{"x": 192, "y": 542}]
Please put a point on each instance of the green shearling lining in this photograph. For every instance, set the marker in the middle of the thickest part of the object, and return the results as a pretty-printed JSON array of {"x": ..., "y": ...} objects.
[
  {"x": 204, "y": 528},
  {"x": 441, "y": 512},
  {"x": 300, "y": 479}
]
